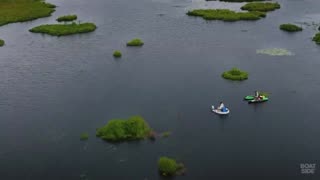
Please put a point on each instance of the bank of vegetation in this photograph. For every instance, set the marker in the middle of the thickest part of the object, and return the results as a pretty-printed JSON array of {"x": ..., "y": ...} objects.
[{"x": 261, "y": 6}]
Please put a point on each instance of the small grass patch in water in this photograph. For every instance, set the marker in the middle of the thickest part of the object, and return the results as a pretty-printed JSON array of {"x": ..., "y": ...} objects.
[
  {"x": 2, "y": 42},
  {"x": 290, "y": 27},
  {"x": 316, "y": 38},
  {"x": 169, "y": 167},
  {"x": 67, "y": 18},
  {"x": 117, "y": 54},
  {"x": 261, "y": 6},
  {"x": 23, "y": 10},
  {"x": 135, "y": 42},
  {"x": 84, "y": 136},
  {"x": 64, "y": 29},
  {"x": 166, "y": 134},
  {"x": 235, "y": 74},
  {"x": 275, "y": 52},
  {"x": 225, "y": 14}
]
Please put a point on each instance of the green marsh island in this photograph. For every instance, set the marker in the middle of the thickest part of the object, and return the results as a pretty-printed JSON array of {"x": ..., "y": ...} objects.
[
  {"x": 2, "y": 42},
  {"x": 24, "y": 10},
  {"x": 316, "y": 38},
  {"x": 64, "y": 29},
  {"x": 67, "y": 18},
  {"x": 169, "y": 167},
  {"x": 261, "y": 6},
  {"x": 235, "y": 74},
  {"x": 135, "y": 42},
  {"x": 290, "y": 27},
  {"x": 117, "y": 54}
]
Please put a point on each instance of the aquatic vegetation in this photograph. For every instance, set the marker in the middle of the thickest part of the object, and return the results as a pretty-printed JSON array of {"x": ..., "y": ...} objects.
[
  {"x": 242, "y": 0},
  {"x": 117, "y": 54},
  {"x": 226, "y": 14},
  {"x": 135, "y": 42},
  {"x": 134, "y": 128},
  {"x": 316, "y": 38},
  {"x": 23, "y": 10},
  {"x": 259, "y": 6},
  {"x": 64, "y": 29},
  {"x": 275, "y": 52},
  {"x": 1, "y": 42},
  {"x": 235, "y": 74},
  {"x": 67, "y": 18},
  {"x": 290, "y": 27},
  {"x": 169, "y": 167},
  {"x": 166, "y": 134},
  {"x": 84, "y": 136}
]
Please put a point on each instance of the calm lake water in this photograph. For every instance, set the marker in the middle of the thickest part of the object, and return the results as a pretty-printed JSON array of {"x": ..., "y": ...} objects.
[{"x": 52, "y": 89}]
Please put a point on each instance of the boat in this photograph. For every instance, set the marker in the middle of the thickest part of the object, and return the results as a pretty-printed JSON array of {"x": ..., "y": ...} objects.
[
  {"x": 220, "y": 112},
  {"x": 264, "y": 99}
]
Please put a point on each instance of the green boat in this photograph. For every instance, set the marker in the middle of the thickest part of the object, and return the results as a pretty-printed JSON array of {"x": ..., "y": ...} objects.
[{"x": 264, "y": 99}]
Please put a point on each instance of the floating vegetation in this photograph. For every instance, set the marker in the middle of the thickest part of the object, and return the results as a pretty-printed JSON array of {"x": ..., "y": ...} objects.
[
  {"x": 290, "y": 27},
  {"x": 235, "y": 74},
  {"x": 84, "y": 136},
  {"x": 275, "y": 52},
  {"x": 316, "y": 38},
  {"x": 135, "y": 42},
  {"x": 64, "y": 29},
  {"x": 2, "y": 42},
  {"x": 67, "y": 18},
  {"x": 23, "y": 10},
  {"x": 262, "y": 7},
  {"x": 226, "y": 14},
  {"x": 169, "y": 167},
  {"x": 166, "y": 134},
  {"x": 117, "y": 54}
]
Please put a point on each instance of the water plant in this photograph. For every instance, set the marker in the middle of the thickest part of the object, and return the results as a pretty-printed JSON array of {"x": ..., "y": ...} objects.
[
  {"x": 135, "y": 42},
  {"x": 117, "y": 54},
  {"x": 290, "y": 27},
  {"x": 67, "y": 18},
  {"x": 64, "y": 29},
  {"x": 169, "y": 167},
  {"x": 316, "y": 38},
  {"x": 23, "y": 10},
  {"x": 275, "y": 52},
  {"x": 166, "y": 134},
  {"x": 84, "y": 136},
  {"x": 134, "y": 128},
  {"x": 225, "y": 14},
  {"x": 261, "y": 6},
  {"x": 2, "y": 42},
  {"x": 235, "y": 74}
]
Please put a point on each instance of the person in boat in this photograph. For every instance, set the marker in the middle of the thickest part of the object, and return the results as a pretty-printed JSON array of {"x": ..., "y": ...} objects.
[
  {"x": 257, "y": 95},
  {"x": 221, "y": 107}
]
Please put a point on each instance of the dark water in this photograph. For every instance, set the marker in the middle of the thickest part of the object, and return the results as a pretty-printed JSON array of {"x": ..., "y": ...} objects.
[{"x": 53, "y": 89}]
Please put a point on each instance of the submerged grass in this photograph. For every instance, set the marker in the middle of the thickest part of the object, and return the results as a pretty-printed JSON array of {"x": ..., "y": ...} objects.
[
  {"x": 64, "y": 29},
  {"x": 84, "y": 136},
  {"x": 316, "y": 38},
  {"x": 23, "y": 10},
  {"x": 290, "y": 27},
  {"x": 1, "y": 42},
  {"x": 275, "y": 52},
  {"x": 235, "y": 74},
  {"x": 260, "y": 6},
  {"x": 226, "y": 14},
  {"x": 67, "y": 18}
]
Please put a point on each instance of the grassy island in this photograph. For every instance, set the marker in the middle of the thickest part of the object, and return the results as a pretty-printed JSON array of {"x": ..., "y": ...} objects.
[
  {"x": 84, "y": 136},
  {"x": 262, "y": 7},
  {"x": 67, "y": 18},
  {"x": 23, "y": 10},
  {"x": 169, "y": 167},
  {"x": 1, "y": 42},
  {"x": 117, "y": 54},
  {"x": 290, "y": 27},
  {"x": 64, "y": 29},
  {"x": 316, "y": 38},
  {"x": 134, "y": 128},
  {"x": 235, "y": 74},
  {"x": 135, "y": 42},
  {"x": 226, "y": 14}
]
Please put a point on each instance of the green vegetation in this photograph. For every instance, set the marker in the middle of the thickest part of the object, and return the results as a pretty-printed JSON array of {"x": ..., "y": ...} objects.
[
  {"x": 67, "y": 18},
  {"x": 64, "y": 29},
  {"x": 134, "y": 128},
  {"x": 235, "y": 74},
  {"x": 23, "y": 10},
  {"x": 84, "y": 136},
  {"x": 290, "y": 27},
  {"x": 169, "y": 167},
  {"x": 275, "y": 52},
  {"x": 226, "y": 15},
  {"x": 316, "y": 38},
  {"x": 166, "y": 134},
  {"x": 241, "y": 0},
  {"x": 262, "y": 7},
  {"x": 117, "y": 54},
  {"x": 135, "y": 42},
  {"x": 1, "y": 42}
]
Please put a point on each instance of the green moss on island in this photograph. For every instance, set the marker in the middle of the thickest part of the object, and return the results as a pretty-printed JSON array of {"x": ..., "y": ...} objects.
[
  {"x": 64, "y": 29},
  {"x": 226, "y": 14},
  {"x": 235, "y": 74},
  {"x": 316, "y": 38},
  {"x": 23, "y": 10},
  {"x": 84, "y": 136},
  {"x": 117, "y": 54},
  {"x": 134, "y": 128},
  {"x": 67, "y": 18},
  {"x": 2, "y": 42},
  {"x": 262, "y": 7},
  {"x": 135, "y": 42},
  {"x": 290, "y": 27},
  {"x": 169, "y": 167}
]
